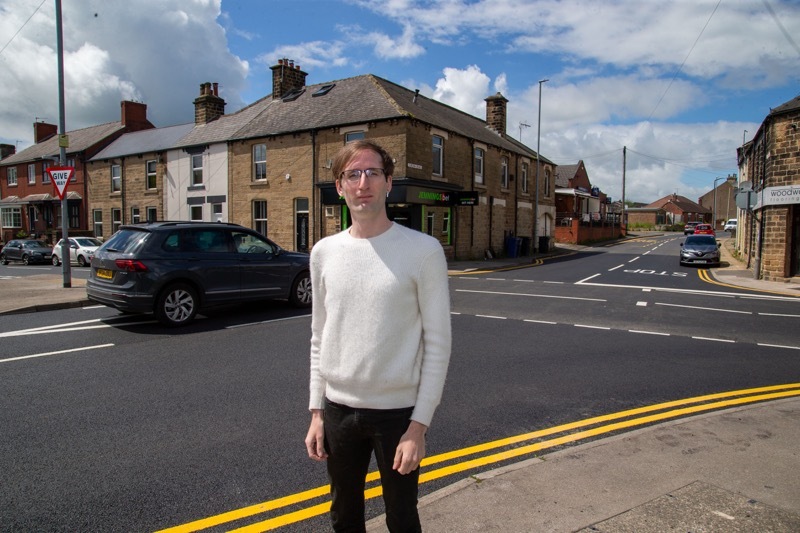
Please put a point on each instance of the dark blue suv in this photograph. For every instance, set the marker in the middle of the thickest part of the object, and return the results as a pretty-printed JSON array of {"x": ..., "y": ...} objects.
[{"x": 174, "y": 269}]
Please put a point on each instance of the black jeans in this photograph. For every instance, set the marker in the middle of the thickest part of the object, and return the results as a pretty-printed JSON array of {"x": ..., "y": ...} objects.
[{"x": 351, "y": 436}]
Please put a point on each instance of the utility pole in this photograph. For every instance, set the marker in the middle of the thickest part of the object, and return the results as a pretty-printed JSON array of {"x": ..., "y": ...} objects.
[
  {"x": 62, "y": 143},
  {"x": 624, "y": 163},
  {"x": 538, "y": 164}
]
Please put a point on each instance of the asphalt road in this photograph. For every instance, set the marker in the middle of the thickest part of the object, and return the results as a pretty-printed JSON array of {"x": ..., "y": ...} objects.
[{"x": 113, "y": 423}]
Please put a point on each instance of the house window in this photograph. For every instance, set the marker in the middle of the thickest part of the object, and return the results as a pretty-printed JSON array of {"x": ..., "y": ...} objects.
[
  {"x": 150, "y": 168},
  {"x": 547, "y": 182},
  {"x": 116, "y": 220},
  {"x": 11, "y": 175},
  {"x": 152, "y": 214},
  {"x": 197, "y": 170},
  {"x": 135, "y": 218},
  {"x": 438, "y": 155},
  {"x": 32, "y": 174},
  {"x": 260, "y": 216},
  {"x": 71, "y": 163},
  {"x": 45, "y": 174},
  {"x": 524, "y": 177},
  {"x": 504, "y": 173},
  {"x": 196, "y": 212},
  {"x": 74, "y": 216},
  {"x": 260, "y": 162},
  {"x": 12, "y": 217},
  {"x": 353, "y": 136},
  {"x": 479, "y": 155},
  {"x": 116, "y": 178},
  {"x": 97, "y": 217}
]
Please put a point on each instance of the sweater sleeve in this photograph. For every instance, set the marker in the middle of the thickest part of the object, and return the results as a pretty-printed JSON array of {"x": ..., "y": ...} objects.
[
  {"x": 318, "y": 316},
  {"x": 434, "y": 302}
]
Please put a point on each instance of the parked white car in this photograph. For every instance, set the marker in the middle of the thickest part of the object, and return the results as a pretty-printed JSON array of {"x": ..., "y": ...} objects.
[
  {"x": 81, "y": 250},
  {"x": 730, "y": 225}
]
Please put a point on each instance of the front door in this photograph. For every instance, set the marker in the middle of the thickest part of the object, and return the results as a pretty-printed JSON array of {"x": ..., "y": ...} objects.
[{"x": 794, "y": 265}]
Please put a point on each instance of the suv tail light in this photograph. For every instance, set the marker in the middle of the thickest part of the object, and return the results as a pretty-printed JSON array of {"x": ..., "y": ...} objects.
[{"x": 130, "y": 265}]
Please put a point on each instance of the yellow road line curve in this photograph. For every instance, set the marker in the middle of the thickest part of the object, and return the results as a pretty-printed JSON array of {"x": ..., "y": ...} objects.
[{"x": 669, "y": 410}]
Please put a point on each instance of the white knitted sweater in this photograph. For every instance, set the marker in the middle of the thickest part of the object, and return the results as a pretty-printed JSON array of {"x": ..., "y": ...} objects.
[{"x": 380, "y": 328}]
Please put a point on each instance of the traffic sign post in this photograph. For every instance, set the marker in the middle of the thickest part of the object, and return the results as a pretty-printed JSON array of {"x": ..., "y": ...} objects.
[{"x": 60, "y": 177}]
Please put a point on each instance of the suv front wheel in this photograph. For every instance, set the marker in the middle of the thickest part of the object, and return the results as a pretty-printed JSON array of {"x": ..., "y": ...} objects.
[
  {"x": 177, "y": 305},
  {"x": 300, "y": 295}
]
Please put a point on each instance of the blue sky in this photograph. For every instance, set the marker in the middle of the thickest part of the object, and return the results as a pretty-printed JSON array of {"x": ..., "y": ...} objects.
[{"x": 676, "y": 82}]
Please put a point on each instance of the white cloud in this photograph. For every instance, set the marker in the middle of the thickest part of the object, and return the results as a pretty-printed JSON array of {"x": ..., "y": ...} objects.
[{"x": 158, "y": 53}]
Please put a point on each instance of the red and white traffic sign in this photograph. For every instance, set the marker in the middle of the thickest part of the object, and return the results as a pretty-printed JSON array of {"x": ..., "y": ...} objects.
[{"x": 60, "y": 176}]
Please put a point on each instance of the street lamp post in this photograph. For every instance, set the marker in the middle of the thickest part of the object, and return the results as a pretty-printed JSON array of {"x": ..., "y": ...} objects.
[{"x": 536, "y": 180}]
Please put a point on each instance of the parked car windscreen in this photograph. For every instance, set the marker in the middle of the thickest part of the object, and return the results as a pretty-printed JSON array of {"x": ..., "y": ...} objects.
[
  {"x": 125, "y": 241},
  {"x": 87, "y": 241}
]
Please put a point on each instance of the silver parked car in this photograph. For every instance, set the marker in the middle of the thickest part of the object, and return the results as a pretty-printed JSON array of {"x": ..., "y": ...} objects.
[
  {"x": 81, "y": 250},
  {"x": 700, "y": 250}
]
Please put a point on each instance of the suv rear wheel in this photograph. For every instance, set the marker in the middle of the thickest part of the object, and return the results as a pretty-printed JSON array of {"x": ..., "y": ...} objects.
[
  {"x": 177, "y": 305},
  {"x": 300, "y": 295}
]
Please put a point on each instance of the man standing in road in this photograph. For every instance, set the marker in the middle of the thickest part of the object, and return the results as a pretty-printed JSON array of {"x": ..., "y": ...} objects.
[{"x": 380, "y": 345}]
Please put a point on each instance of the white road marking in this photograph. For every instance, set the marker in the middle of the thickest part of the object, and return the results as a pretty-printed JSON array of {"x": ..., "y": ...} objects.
[
  {"x": 534, "y": 295},
  {"x": 590, "y": 327},
  {"x": 648, "y": 332},
  {"x": 490, "y": 316},
  {"x": 46, "y": 354},
  {"x": 540, "y": 321},
  {"x": 779, "y": 314},
  {"x": 778, "y": 346},
  {"x": 616, "y": 267},
  {"x": 641, "y": 304},
  {"x": 706, "y": 308},
  {"x": 711, "y": 339},
  {"x": 634, "y": 259}
]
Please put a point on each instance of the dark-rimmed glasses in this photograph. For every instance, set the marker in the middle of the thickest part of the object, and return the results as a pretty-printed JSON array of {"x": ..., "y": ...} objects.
[{"x": 354, "y": 175}]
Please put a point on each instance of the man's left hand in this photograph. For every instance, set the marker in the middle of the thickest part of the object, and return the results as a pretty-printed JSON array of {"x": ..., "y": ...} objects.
[{"x": 411, "y": 449}]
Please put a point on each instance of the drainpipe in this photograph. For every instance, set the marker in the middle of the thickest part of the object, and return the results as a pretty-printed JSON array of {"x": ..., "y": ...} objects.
[{"x": 319, "y": 213}]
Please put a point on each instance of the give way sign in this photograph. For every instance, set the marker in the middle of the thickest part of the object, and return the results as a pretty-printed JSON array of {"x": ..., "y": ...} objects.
[{"x": 60, "y": 177}]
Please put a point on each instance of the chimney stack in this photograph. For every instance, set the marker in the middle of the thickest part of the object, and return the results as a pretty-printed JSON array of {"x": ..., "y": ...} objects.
[
  {"x": 7, "y": 150},
  {"x": 496, "y": 113},
  {"x": 43, "y": 131},
  {"x": 208, "y": 106},
  {"x": 286, "y": 76},
  {"x": 134, "y": 115}
]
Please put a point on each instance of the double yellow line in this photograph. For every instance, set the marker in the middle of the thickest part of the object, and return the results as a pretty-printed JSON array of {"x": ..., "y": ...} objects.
[{"x": 572, "y": 432}]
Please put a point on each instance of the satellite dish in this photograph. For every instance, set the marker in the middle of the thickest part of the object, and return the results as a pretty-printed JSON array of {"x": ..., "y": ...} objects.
[{"x": 746, "y": 186}]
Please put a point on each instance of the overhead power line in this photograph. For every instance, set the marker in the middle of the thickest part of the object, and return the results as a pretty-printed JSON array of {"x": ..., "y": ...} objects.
[{"x": 20, "y": 29}]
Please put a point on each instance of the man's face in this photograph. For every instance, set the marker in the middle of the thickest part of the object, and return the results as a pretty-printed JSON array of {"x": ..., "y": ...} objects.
[{"x": 367, "y": 195}]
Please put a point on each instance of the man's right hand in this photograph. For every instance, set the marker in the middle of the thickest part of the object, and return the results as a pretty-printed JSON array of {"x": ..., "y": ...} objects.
[{"x": 315, "y": 440}]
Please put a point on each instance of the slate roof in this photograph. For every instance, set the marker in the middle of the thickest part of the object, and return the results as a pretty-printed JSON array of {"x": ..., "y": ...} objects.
[
  {"x": 145, "y": 141},
  {"x": 564, "y": 173},
  {"x": 79, "y": 140},
  {"x": 367, "y": 98},
  {"x": 791, "y": 105},
  {"x": 681, "y": 202}
]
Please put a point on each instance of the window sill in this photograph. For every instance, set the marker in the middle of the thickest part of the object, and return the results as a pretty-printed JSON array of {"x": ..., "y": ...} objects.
[{"x": 196, "y": 188}]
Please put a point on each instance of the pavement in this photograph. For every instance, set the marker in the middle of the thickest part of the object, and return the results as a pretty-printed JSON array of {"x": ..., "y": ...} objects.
[{"x": 731, "y": 470}]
